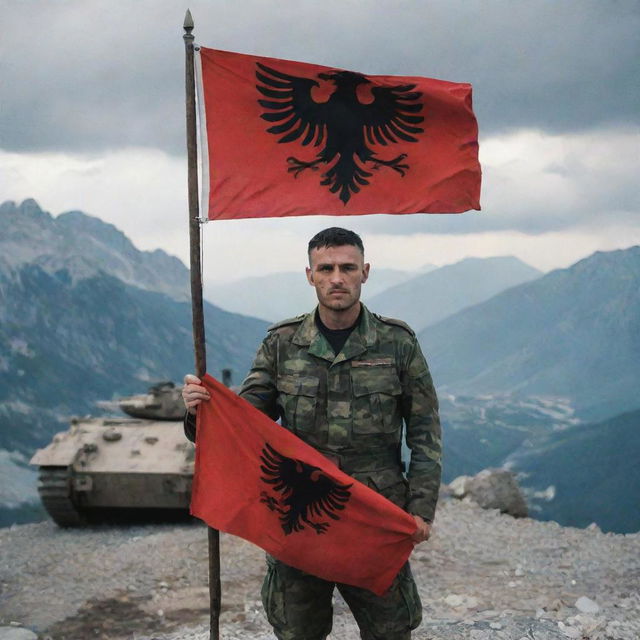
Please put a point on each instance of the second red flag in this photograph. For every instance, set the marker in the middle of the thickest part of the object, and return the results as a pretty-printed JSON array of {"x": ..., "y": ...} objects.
[{"x": 257, "y": 480}]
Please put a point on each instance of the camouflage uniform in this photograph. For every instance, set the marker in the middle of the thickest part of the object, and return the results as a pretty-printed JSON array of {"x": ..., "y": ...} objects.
[{"x": 351, "y": 407}]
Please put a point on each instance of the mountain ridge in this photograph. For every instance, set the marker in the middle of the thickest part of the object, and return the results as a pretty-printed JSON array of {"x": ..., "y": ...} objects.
[
  {"x": 65, "y": 345},
  {"x": 430, "y": 297},
  {"x": 260, "y": 296},
  {"x": 29, "y": 234},
  {"x": 85, "y": 316},
  {"x": 573, "y": 332},
  {"x": 589, "y": 491}
]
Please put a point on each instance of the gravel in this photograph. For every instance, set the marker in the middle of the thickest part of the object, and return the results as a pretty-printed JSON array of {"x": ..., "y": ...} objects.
[{"x": 482, "y": 575}]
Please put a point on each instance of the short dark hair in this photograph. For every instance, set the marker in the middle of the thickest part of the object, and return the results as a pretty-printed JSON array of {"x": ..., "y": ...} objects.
[{"x": 335, "y": 237}]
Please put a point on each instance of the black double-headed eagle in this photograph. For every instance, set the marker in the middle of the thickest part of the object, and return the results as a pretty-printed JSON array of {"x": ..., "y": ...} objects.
[
  {"x": 345, "y": 125},
  {"x": 306, "y": 492}
]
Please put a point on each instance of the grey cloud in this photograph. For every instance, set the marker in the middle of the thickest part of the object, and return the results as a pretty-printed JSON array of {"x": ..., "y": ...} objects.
[
  {"x": 531, "y": 222},
  {"x": 95, "y": 75}
]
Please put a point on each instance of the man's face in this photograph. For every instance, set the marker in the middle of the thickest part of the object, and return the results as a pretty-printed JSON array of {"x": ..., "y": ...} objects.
[{"x": 337, "y": 273}]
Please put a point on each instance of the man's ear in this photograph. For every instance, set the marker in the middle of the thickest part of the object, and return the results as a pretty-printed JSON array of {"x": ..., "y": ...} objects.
[
  {"x": 365, "y": 272},
  {"x": 309, "y": 273}
]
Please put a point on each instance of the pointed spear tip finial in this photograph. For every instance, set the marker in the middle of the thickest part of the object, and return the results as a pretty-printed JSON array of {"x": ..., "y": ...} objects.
[{"x": 188, "y": 21}]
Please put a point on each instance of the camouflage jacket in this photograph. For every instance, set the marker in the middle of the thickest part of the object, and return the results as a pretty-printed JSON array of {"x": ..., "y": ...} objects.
[{"x": 351, "y": 406}]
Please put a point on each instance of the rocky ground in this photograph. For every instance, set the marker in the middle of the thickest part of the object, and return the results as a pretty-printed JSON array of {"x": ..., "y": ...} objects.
[{"x": 482, "y": 576}]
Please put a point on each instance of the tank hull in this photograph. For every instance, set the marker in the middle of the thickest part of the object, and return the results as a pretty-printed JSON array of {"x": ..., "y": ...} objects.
[{"x": 107, "y": 465}]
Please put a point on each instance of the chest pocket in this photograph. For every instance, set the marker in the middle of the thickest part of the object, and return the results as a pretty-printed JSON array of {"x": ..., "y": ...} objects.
[
  {"x": 376, "y": 392},
  {"x": 297, "y": 397}
]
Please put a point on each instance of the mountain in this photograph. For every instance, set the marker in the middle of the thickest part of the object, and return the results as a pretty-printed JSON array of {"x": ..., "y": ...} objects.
[
  {"x": 19, "y": 501},
  {"x": 603, "y": 483},
  {"x": 485, "y": 431},
  {"x": 287, "y": 294},
  {"x": 429, "y": 297},
  {"x": 573, "y": 333},
  {"x": 83, "y": 246},
  {"x": 86, "y": 317},
  {"x": 571, "y": 472},
  {"x": 66, "y": 344}
]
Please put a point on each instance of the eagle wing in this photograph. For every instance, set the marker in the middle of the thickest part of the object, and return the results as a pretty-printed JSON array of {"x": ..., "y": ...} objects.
[
  {"x": 306, "y": 489},
  {"x": 289, "y": 103},
  {"x": 393, "y": 114},
  {"x": 278, "y": 469}
]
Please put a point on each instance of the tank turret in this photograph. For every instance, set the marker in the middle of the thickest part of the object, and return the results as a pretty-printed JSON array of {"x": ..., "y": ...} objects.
[{"x": 163, "y": 401}]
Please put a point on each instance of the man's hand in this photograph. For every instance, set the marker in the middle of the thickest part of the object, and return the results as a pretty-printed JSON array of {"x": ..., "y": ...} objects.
[
  {"x": 193, "y": 393},
  {"x": 423, "y": 532}
]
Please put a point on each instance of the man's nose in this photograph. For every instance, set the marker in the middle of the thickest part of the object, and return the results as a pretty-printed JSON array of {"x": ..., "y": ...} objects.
[{"x": 336, "y": 276}]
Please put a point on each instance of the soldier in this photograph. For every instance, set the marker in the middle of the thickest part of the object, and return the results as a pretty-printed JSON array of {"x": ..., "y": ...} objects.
[{"x": 343, "y": 379}]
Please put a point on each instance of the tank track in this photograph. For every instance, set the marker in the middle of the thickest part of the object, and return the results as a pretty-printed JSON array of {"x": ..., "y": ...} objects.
[{"x": 54, "y": 487}]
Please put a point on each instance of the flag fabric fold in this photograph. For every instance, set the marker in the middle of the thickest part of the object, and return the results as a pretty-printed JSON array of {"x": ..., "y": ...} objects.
[
  {"x": 284, "y": 138},
  {"x": 256, "y": 480}
]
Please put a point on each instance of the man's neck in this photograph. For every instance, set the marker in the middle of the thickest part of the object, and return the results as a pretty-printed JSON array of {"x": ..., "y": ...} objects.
[{"x": 339, "y": 319}]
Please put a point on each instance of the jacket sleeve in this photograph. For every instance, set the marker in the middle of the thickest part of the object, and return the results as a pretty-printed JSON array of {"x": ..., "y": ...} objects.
[
  {"x": 189, "y": 424},
  {"x": 424, "y": 439},
  {"x": 259, "y": 387}
]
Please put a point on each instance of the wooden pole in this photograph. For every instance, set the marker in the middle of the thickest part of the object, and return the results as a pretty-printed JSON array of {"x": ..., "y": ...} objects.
[{"x": 196, "y": 296}]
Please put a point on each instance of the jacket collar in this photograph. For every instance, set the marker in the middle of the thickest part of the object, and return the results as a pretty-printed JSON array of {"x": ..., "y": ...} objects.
[{"x": 361, "y": 338}]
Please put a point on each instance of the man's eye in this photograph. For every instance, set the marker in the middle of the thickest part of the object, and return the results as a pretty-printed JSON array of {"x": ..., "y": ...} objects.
[{"x": 324, "y": 269}]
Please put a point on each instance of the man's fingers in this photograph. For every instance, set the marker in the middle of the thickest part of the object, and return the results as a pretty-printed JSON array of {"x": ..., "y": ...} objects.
[
  {"x": 193, "y": 393},
  {"x": 423, "y": 532}
]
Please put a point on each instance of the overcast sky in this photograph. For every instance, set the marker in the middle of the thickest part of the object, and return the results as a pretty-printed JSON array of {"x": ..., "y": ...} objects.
[{"x": 92, "y": 118}]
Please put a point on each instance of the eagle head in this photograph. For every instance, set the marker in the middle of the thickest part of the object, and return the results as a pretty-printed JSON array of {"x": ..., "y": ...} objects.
[{"x": 345, "y": 78}]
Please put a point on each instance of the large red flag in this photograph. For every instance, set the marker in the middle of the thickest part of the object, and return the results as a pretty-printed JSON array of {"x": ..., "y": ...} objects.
[
  {"x": 285, "y": 138},
  {"x": 257, "y": 480}
]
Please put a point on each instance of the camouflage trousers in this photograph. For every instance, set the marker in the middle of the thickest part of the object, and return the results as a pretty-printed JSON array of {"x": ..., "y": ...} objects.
[{"x": 298, "y": 605}]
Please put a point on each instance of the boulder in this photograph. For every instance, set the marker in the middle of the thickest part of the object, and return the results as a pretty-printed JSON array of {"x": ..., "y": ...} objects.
[
  {"x": 16, "y": 633},
  {"x": 586, "y": 605},
  {"x": 493, "y": 489},
  {"x": 458, "y": 487}
]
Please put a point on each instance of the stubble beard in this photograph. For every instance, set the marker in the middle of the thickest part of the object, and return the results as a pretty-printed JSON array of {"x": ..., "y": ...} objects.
[{"x": 340, "y": 306}]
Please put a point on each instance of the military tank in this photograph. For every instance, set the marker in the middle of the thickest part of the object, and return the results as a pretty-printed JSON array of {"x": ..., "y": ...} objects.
[{"x": 120, "y": 468}]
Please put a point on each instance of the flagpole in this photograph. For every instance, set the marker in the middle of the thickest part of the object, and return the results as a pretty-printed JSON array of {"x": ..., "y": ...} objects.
[{"x": 196, "y": 297}]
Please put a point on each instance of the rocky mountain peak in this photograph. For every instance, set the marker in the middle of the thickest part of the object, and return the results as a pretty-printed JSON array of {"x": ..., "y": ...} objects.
[
  {"x": 29, "y": 208},
  {"x": 619, "y": 261},
  {"x": 29, "y": 235},
  {"x": 109, "y": 234}
]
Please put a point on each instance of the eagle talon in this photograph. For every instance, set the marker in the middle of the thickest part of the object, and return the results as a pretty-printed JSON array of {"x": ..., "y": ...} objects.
[
  {"x": 394, "y": 164},
  {"x": 270, "y": 501},
  {"x": 320, "y": 527},
  {"x": 298, "y": 166}
]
